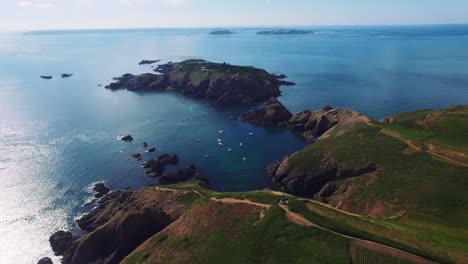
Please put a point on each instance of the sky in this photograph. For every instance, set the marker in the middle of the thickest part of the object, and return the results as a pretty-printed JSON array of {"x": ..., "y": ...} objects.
[{"x": 90, "y": 14}]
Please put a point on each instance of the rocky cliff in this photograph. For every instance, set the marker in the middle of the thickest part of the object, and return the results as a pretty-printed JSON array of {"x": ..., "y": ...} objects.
[
  {"x": 311, "y": 124},
  {"x": 121, "y": 222}
]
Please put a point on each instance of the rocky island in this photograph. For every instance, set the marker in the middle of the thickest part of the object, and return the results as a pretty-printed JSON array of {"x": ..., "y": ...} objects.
[
  {"x": 221, "y": 32},
  {"x": 285, "y": 32},
  {"x": 222, "y": 83}
]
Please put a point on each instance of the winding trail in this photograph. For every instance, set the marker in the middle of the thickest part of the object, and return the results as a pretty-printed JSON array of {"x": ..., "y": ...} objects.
[
  {"x": 431, "y": 149},
  {"x": 355, "y": 242}
]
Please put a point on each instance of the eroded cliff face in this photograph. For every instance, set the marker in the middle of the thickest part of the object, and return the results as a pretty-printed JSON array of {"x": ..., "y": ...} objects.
[
  {"x": 120, "y": 223},
  {"x": 314, "y": 183},
  {"x": 225, "y": 84},
  {"x": 314, "y": 126}
]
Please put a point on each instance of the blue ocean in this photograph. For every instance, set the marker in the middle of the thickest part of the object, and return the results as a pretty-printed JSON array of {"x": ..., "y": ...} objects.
[{"x": 58, "y": 137}]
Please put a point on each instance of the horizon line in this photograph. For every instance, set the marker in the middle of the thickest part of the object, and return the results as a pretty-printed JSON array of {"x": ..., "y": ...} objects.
[{"x": 234, "y": 26}]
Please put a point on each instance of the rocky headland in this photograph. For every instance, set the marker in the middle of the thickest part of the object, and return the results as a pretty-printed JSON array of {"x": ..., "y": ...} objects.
[
  {"x": 121, "y": 221},
  {"x": 223, "y": 83},
  {"x": 310, "y": 124}
]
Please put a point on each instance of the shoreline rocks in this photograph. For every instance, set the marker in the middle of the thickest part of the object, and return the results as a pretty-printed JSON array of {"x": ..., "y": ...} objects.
[
  {"x": 155, "y": 167},
  {"x": 100, "y": 190},
  {"x": 225, "y": 84},
  {"x": 121, "y": 222},
  {"x": 184, "y": 174}
]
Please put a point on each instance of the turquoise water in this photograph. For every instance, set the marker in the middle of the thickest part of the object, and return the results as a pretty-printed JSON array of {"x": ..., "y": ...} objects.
[{"x": 58, "y": 137}]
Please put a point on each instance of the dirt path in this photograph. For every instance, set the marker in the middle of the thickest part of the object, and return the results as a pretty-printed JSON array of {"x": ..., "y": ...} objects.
[
  {"x": 296, "y": 218},
  {"x": 399, "y": 137},
  {"x": 431, "y": 151},
  {"x": 234, "y": 201},
  {"x": 301, "y": 220},
  {"x": 435, "y": 155}
]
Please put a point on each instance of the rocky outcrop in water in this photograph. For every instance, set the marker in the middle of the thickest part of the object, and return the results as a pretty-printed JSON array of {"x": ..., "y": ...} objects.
[
  {"x": 100, "y": 190},
  {"x": 121, "y": 222},
  {"x": 222, "y": 83},
  {"x": 156, "y": 167},
  {"x": 179, "y": 176},
  {"x": 66, "y": 75},
  {"x": 46, "y": 77},
  {"x": 272, "y": 113},
  {"x": 127, "y": 138}
]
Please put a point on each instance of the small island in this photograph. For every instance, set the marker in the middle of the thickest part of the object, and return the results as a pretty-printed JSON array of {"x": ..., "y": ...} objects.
[
  {"x": 285, "y": 32},
  {"x": 223, "y": 83},
  {"x": 66, "y": 75},
  {"x": 221, "y": 32},
  {"x": 46, "y": 77}
]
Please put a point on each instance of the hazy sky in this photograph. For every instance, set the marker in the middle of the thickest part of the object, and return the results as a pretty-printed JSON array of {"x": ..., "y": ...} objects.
[{"x": 74, "y": 14}]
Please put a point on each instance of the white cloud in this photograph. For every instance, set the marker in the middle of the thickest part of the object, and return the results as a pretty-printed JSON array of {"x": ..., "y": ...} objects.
[
  {"x": 174, "y": 2},
  {"x": 24, "y": 4},
  {"x": 31, "y": 4},
  {"x": 164, "y": 2}
]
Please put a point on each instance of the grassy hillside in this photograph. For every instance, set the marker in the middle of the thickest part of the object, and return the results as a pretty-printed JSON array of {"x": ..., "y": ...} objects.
[
  {"x": 419, "y": 186},
  {"x": 235, "y": 232},
  {"x": 445, "y": 131}
]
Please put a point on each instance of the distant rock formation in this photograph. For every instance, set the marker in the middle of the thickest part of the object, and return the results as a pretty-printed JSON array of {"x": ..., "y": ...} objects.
[
  {"x": 221, "y": 32},
  {"x": 285, "y": 32},
  {"x": 46, "y": 77},
  {"x": 66, "y": 75},
  {"x": 223, "y": 83}
]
